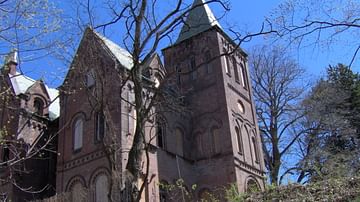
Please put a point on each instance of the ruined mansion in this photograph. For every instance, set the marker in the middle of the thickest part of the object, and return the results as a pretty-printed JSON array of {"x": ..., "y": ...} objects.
[{"x": 202, "y": 129}]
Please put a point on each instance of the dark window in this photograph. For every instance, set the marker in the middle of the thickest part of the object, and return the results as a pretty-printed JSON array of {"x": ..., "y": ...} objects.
[
  {"x": 239, "y": 140},
  {"x": 179, "y": 136},
  {"x": 193, "y": 73},
  {"x": 163, "y": 191},
  {"x": 100, "y": 126},
  {"x": 160, "y": 133},
  {"x": 255, "y": 149},
  {"x": 178, "y": 78},
  {"x": 6, "y": 154},
  {"x": 227, "y": 66},
  {"x": 243, "y": 76},
  {"x": 208, "y": 66},
  {"x": 38, "y": 106},
  {"x": 236, "y": 71}
]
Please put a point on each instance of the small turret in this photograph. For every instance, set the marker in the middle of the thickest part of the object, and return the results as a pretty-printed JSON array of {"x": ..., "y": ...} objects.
[{"x": 11, "y": 61}]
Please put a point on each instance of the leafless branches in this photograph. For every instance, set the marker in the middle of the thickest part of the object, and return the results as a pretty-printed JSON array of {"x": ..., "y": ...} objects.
[
  {"x": 319, "y": 23},
  {"x": 32, "y": 27},
  {"x": 277, "y": 93}
]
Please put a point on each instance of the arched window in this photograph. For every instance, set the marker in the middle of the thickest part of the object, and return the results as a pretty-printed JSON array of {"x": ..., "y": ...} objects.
[
  {"x": 199, "y": 145},
  {"x": 78, "y": 133},
  {"x": 256, "y": 152},
  {"x": 101, "y": 188},
  {"x": 193, "y": 70},
  {"x": 252, "y": 186},
  {"x": 236, "y": 71},
  {"x": 205, "y": 195},
  {"x": 78, "y": 192},
  {"x": 214, "y": 136},
  {"x": 208, "y": 66},
  {"x": 38, "y": 106},
  {"x": 100, "y": 126},
  {"x": 178, "y": 72},
  {"x": 243, "y": 76},
  {"x": 241, "y": 107},
  {"x": 160, "y": 132},
  {"x": 239, "y": 140},
  {"x": 90, "y": 78},
  {"x": 227, "y": 65},
  {"x": 179, "y": 136}
]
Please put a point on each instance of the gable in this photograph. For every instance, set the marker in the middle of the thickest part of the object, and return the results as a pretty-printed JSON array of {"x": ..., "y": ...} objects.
[{"x": 22, "y": 84}]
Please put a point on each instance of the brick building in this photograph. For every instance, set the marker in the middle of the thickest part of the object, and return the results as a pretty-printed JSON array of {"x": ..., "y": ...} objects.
[
  {"x": 29, "y": 111},
  {"x": 212, "y": 142},
  {"x": 215, "y": 145}
]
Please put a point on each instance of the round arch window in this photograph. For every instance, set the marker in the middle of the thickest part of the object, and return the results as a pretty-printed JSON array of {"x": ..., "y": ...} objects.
[
  {"x": 252, "y": 186},
  {"x": 38, "y": 106},
  {"x": 240, "y": 107}
]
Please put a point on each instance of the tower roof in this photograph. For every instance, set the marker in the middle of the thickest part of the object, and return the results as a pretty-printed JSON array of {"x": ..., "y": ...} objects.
[{"x": 200, "y": 19}]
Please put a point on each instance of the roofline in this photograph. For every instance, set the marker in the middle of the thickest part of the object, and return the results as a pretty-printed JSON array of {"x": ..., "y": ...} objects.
[
  {"x": 86, "y": 33},
  {"x": 217, "y": 28}
]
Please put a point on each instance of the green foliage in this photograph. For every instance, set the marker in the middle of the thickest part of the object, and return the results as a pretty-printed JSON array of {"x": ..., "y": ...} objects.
[
  {"x": 357, "y": 199},
  {"x": 343, "y": 189},
  {"x": 3, "y": 134},
  {"x": 233, "y": 195},
  {"x": 333, "y": 117},
  {"x": 270, "y": 187}
]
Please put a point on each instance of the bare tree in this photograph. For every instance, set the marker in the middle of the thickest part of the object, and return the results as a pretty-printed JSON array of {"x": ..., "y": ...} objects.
[
  {"x": 33, "y": 27},
  {"x": 278, "y": 88}
]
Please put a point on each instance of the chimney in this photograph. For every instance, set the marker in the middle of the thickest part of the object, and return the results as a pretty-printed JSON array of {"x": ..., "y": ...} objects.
[{"x": 11, "y": 61}]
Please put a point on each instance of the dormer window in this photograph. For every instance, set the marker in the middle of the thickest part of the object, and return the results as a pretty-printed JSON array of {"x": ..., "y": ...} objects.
[{"x": 38, "y": 106}]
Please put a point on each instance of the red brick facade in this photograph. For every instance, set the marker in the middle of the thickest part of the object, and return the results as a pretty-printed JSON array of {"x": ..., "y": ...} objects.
[
  {"x": 210, "y": 140},
  {"x": 28, "y": 144}
]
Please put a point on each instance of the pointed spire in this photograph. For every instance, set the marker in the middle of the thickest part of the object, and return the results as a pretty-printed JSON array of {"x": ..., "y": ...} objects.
[{"x": 200, "y": 19}]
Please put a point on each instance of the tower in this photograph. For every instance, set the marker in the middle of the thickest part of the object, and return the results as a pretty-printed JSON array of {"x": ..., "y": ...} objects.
[{"x": 221, "y": 143}]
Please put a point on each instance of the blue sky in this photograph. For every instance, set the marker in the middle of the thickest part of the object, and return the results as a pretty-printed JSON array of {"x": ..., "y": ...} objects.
[{"x": 244, "y": 15}]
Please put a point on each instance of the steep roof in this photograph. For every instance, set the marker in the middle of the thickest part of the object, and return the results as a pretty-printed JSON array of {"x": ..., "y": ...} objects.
[
  {"x": 122, "y": 55},
  {"x": 22, "y": 83},
  {"x": 200, "y": 19}
]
